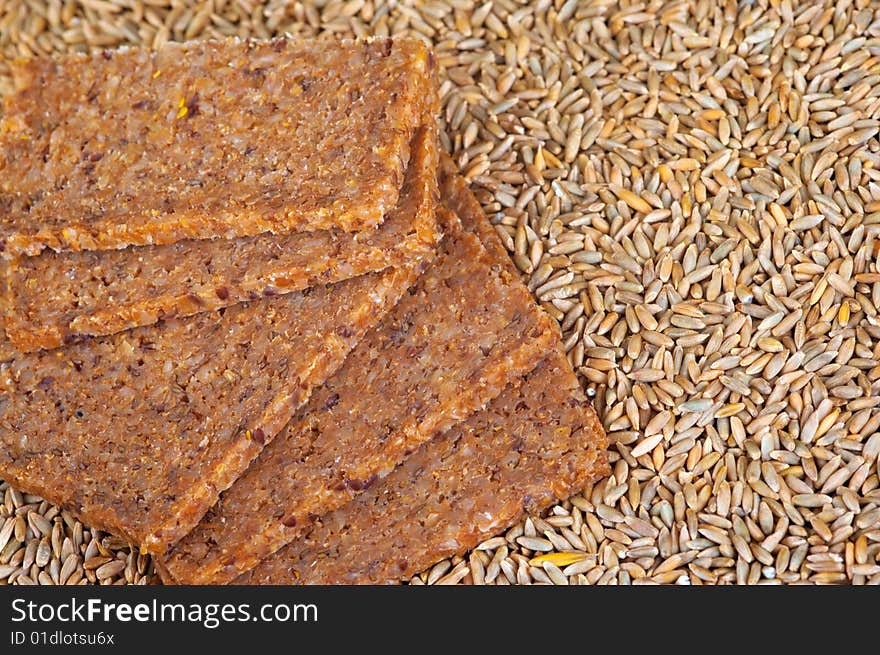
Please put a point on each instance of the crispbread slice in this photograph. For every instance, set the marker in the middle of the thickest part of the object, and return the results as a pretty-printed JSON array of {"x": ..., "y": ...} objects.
[
  {"x": 55, "y": 297},
  {"x": 139, "y": 433},
  {"x": 465, "y": 330},
  {"x": 207, "y": 139},
  {"x": 536, "y": 443}
]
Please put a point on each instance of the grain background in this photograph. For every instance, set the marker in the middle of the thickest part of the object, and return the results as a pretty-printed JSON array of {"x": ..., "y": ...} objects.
[{"x": 692, "y": 188}]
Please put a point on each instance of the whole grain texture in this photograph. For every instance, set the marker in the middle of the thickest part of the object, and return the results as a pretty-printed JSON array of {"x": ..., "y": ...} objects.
[
  {"x": 54, "y": 297},
  {"x": 536, "y": 443},
  {"x": 554, "y": 110},
  {"x": 209, "y": 139},
  {"x": 139, "y": 433},
  {"x": 465, "y": 330}
]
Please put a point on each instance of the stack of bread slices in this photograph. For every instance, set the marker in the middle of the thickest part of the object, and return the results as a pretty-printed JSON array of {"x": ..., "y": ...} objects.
[{"x": 256, "y": 324}]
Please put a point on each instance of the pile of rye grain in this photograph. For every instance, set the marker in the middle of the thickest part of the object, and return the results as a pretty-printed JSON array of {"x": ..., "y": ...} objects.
[{"x": 729, "y": 335}]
